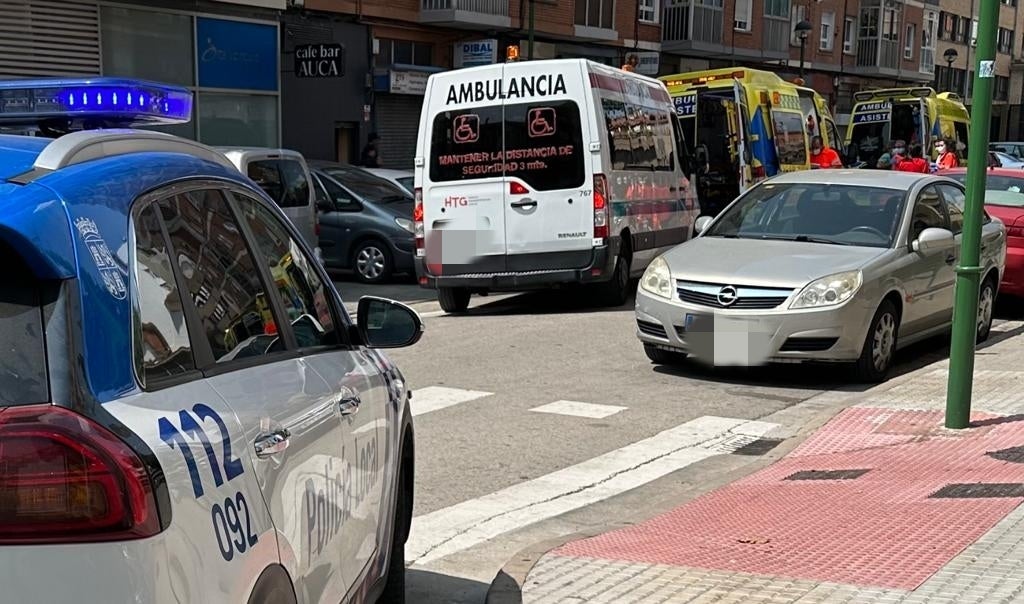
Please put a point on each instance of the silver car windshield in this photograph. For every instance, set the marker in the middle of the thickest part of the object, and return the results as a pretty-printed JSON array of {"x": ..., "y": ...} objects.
[{"x": 815, "y": 213}]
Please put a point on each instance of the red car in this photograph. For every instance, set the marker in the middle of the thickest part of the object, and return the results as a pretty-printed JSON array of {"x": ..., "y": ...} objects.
[{"x": 1004, "y": 199}]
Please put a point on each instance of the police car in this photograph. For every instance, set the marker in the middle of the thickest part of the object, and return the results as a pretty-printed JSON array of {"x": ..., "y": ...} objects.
[{"x": 187, "y": 413}]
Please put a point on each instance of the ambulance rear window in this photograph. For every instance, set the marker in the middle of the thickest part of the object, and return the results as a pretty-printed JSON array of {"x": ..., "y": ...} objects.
[
  {"x": 23, "y": 378},
  {"x": 539, "y": 143}
]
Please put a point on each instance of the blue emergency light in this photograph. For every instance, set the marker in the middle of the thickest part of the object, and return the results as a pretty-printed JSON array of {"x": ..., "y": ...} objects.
[{"x": 97, "y": 102}]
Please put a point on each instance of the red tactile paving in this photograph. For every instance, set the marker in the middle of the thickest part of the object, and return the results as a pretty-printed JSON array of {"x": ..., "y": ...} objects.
[{"x": 877, "y": 530}]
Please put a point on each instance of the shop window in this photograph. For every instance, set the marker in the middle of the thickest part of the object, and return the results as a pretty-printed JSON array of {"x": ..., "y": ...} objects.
[
  {"x": 237, "y": 119},
  {"x": 147, "y": 45}
]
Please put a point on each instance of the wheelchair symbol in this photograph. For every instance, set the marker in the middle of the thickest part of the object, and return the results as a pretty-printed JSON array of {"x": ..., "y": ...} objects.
[
  {"x": 467, "y": 128},
  {"x": 541, "y": 122}
]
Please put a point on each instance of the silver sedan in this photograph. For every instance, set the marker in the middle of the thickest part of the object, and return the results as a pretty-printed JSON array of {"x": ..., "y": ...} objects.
[{"x": 823, "y": 265}]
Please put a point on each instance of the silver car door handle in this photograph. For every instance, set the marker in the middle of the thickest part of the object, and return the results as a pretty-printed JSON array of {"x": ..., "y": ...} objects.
[
  {"x": 526, "y": 203},
  {"x": 349, "y": 405},
  {"x": 272, "y": 443}
]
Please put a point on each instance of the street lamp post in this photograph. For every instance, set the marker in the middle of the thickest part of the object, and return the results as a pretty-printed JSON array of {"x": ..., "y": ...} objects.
[
  {"x": 968, "y": 271},
  {"x": 950, "y": 55},
  {"x": 802, "y": 29}
]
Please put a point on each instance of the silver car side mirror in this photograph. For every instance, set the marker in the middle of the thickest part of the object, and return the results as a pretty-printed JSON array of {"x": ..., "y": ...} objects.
[
  {"x": 702, "y": 223},
  {"x": 932, "y": 241}
]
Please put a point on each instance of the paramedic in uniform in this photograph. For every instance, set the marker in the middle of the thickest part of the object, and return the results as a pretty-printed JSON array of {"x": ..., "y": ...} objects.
[{"x": 823, "y": 156}]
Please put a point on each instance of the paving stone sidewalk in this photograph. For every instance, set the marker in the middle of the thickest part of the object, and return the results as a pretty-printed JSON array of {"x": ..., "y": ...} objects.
[{"x": 881, "y": 505}]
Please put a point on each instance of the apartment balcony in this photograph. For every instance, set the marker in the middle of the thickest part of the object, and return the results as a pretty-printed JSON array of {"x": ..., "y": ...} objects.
[
  {"x": 881, "y": 58},
  {"x": 686, "y": 27},
  {"x": 466, "y": 14}
]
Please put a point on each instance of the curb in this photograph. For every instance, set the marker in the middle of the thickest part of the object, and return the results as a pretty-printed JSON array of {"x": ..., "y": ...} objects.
[{"x": 506, "y": 587}]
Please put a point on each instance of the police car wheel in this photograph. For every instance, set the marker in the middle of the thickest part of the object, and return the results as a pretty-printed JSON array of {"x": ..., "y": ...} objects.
[
  {"x": 372, "y": 262},
  {"x": 661, "y": 356},
  {"x": 394, "y": 588},
  {"x": 453, "y": 299}
]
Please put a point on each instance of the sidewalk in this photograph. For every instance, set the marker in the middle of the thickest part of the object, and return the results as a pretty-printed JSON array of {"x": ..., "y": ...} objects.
[{"x": 882, "y": 504}]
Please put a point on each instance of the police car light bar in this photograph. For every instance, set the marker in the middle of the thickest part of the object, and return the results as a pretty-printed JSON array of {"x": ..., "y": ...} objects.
[{"x": 104, "y": 101}]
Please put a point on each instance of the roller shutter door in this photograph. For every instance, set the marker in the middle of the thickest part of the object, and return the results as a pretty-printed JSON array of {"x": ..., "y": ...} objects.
[
  {"x": 44, "y": 38},
  {"x": 398, "y": 119}
]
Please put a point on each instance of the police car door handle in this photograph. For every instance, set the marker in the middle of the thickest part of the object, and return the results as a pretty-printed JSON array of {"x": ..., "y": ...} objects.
[
  {"x": 349, "y": 405},
  {"x": 272, "y": 443},
  {"x": 526, "y": 203}
]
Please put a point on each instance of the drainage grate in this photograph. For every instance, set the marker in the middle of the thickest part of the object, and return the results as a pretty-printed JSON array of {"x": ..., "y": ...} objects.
[
  {"x": 979, "y": 490},
  {"x": 758, "y": 447},
  {"x": 1013, "y": 455},
  {"x": 827, "y": 475}
]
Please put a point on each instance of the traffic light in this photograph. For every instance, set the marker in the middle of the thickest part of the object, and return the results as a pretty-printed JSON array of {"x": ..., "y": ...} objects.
[{"x": 512, "y": 53}]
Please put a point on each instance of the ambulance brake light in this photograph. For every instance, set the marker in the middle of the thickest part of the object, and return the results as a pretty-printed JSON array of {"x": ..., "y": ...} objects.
[{"x": 104, "y": 101}]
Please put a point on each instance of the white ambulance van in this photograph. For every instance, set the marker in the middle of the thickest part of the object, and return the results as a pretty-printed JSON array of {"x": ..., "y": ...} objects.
[{"x": 547, "y": 173}]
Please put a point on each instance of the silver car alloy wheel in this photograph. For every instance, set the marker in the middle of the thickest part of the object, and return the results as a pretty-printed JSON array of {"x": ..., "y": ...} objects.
[
  {"x": 370, "y": 262},
  {"x": 985, "y": 305},
  {"x": 883, "y": 340}
]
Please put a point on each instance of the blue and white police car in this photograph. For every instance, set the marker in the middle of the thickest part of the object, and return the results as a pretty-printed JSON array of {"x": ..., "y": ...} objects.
[{"x": 187, "y": 412}]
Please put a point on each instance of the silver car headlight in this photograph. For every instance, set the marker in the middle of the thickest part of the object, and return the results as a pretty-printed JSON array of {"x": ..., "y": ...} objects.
[
  {"x": 829, "y": 291},
  {"x": 657, "y": 278},
  {"x": 406, "y": 224}
]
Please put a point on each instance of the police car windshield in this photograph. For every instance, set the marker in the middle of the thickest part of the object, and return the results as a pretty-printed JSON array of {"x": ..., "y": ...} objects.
[
  {"x": 23, "y": 378},
  {"x": 815, "y": 213}
]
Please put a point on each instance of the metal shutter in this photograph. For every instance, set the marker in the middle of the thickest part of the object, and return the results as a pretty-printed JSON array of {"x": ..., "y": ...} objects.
[
  {"x": 42, "y": 38},
  {"x": 398, "y": 120}
]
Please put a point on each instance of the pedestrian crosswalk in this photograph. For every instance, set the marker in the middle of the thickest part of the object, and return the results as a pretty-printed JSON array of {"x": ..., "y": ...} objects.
[
  {"x": 578, "y": 409},
  {"x": 434, "y": 398},
  {"x": 447, "y": 531}
]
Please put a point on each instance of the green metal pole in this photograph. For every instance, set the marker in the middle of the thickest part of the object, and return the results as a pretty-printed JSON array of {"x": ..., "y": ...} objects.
[
  {"x": 529, "y": 45},
  {"x": 968, "y": 273}
]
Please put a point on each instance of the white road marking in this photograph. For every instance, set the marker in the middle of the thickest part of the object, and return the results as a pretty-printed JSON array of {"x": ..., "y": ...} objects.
[
  {"x": 577, "y": 409},
  {"x": 433, "y": 398},
  {"x": 464, "y": 525}
]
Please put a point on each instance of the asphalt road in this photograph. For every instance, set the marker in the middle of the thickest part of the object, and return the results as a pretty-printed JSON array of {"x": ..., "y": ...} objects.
[{"x": 517, "y": 353}]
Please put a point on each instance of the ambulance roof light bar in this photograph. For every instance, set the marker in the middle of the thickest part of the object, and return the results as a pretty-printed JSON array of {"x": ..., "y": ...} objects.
[{"x": 63, "y": 103}]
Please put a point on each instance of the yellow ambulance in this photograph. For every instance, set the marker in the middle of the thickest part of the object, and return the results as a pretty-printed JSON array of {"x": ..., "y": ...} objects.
[
  {"x": 746, "y": 125},
  {"x": 913, "y": 115}
]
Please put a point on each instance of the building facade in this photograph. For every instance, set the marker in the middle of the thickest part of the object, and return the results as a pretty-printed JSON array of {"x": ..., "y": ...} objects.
[{"x": 852, "y": 45}]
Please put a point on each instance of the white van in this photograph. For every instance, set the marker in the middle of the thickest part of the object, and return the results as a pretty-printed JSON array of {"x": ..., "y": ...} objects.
[
  {"x": 546, "y": 173},
  {"x": 285, "y": 177}
]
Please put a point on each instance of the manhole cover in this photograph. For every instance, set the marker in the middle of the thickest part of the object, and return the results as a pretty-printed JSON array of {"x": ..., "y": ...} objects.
[
  {"x": 758, "y": 447},
  {"x": 827, "y": 474},
  {"x": 1012, "y": 455},
  {"x": 979, "y": 490}
]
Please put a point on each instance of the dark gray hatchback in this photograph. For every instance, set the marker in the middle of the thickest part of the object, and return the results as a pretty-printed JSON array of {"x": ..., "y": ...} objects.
[{"x": 365, "y": 222}]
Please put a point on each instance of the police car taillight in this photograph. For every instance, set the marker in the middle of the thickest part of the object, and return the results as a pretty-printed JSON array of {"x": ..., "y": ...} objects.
[
  {"x": 66, "y": 479},
  {"x": 417, "y": 221},
  {"x": 601, "y": 209}
]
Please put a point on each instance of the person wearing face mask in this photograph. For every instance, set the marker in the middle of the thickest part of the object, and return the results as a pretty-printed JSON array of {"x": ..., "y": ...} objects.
[
  {"x": 916, "y": 162},
  {"x": 947, "y": 156},
  {"x": 889, "y": 159},
  {"x": 822, "y": 156}
]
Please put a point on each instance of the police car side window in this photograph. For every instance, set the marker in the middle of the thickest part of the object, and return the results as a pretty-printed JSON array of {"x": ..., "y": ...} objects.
[
  {"x": 220, "y": 276},
  {"x": 163, "y": 344},
  {"x": 302, "y": 292}
]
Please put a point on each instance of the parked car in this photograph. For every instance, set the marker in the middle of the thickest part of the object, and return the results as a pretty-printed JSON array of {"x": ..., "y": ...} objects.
[
  {"x": 1014, "y": 148},
  {"x": 1004, "y": 199},
  {"x": 401, "y": 178},
  {"x": 1005, "y": 160},
  {"x": 284, "y": 176},
  {"x": 819, "y": 265},
  {"x": 365, "y": 222},
  {"x": 180, "y": 381}
]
